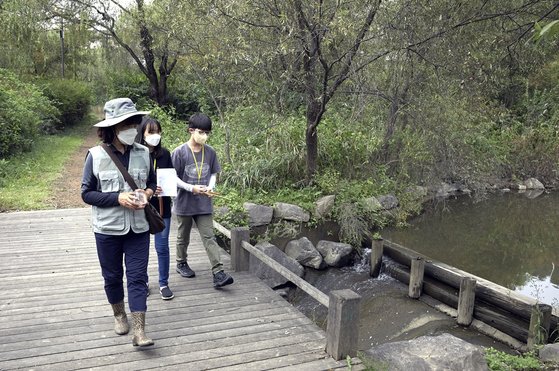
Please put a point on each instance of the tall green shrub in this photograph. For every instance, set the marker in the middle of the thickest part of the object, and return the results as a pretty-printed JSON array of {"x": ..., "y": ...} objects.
[
  {"x": 23, "y": 108},
  {"x": 267, "y": 150},
  {"x": 72, "y": 98},
  {"x": 130, "y": 84}
]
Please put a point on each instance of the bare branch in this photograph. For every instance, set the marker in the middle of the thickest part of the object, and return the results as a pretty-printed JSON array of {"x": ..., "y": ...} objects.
[{"x": 344, "y": 73}]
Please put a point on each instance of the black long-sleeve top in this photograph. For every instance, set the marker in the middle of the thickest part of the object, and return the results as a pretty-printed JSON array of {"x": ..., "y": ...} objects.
[{"x": 162, "y": 161}]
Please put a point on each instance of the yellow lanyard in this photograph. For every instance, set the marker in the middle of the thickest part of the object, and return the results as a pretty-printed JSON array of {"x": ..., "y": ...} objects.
[{"x": 198, "y": 168}]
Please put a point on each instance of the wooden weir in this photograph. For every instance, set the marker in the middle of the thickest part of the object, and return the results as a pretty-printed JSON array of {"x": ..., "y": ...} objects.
[
  {"x": 54, "y": 314},
  {"x": 510, "y": 317}
]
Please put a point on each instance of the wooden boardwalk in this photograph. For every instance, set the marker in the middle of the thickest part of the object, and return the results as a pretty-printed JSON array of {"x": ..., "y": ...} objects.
[{"x": 54, "y": 314}]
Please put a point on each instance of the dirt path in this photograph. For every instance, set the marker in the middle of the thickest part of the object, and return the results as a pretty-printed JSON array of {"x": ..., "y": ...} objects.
[{"x": 66, "y": 189}]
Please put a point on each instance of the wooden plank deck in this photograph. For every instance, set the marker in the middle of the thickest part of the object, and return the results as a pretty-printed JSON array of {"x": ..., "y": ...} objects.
[{"x": 54, "y": 314}]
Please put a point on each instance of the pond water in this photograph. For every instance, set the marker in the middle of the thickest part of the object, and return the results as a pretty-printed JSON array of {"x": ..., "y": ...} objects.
[{"x": 509, "y": 238}]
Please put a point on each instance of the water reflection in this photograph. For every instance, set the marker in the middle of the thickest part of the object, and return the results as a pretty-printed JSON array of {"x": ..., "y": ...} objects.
[{"x": 510, "y": 238}]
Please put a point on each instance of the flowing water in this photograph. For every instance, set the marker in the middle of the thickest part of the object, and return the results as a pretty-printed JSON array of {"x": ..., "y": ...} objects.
[{"x": 509, "y": 238}]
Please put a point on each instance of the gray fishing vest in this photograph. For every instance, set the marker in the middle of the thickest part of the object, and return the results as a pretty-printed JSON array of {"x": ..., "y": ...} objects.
[{"x": 118, "y": 220}]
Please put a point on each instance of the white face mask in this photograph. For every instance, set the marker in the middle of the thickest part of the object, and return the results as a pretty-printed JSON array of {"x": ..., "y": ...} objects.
[
  {"x": 127, "y": 136},
  {"x": 199, "y": 137},
  {"x": 153, "y": 139}
]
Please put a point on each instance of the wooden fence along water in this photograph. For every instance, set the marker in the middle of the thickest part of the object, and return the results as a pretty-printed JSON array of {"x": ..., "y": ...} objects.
[
  {"x": 503, "y": 314},
  {"x": 343, "y": 305},
  {"x": 54, "y": 314},
  {"x": 513, "y": 318}
]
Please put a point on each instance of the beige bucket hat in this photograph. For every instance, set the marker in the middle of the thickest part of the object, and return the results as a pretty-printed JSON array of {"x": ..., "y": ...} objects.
[{"x": 118, "y": 110}]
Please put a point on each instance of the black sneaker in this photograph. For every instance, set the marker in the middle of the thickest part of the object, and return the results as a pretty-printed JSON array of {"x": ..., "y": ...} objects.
[
  {"x": 184, "y": 270},
  {"x": 166, "y": 293},
  {"x": 222, "y": 279}
]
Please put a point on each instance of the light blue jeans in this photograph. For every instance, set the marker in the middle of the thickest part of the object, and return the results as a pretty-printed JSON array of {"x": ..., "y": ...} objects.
[{"x": 162, "y": 248}]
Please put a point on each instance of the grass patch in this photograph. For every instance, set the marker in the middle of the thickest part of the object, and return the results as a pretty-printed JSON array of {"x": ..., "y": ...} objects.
[
  {"x": 26, "y": 180},
  {"x": 500, "y": 361}
]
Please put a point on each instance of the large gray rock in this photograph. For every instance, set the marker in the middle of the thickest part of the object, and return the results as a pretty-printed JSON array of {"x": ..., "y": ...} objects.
[
  {"x": 290, "y": 212},
  {"x": 429, "y": 353},
  {"x": 445, "y": 189},
  {"x": 533, "y": 183},
  {"x": 388, "y": 202},
  {"x": 267, "y": 274},
  {"x": 550, "y": 353},
  {"x": 324, "y": 206},
  {"x": 305, "y": 253},
  {"x": 221, "y": 211},
  {"x": 258, "y": 214},
  {"x": 335, "y": 254}
]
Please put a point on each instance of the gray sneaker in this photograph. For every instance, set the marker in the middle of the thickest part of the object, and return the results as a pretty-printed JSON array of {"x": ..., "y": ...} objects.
[
  {"x": 166, "y": 293},
  {"x": 184, "y": 270},
  {"x": 222, "y": 279}
]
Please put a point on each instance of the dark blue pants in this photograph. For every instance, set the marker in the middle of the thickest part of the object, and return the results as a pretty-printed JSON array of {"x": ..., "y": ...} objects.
[{"x": 133, "y": 248}]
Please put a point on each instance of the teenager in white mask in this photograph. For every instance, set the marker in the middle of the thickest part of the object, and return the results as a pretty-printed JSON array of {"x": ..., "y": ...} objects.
[
  {"x": 197, "y": 165},
  {"x": 149, "y": 134}
]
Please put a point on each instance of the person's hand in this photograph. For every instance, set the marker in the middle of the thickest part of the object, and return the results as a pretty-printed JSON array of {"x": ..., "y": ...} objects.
[
  {"x": 199, "y": 189},
  {"x": 210, "y": 192},
  {"x": 130, "y": 201},
  {"x": 158, "y": 191}
]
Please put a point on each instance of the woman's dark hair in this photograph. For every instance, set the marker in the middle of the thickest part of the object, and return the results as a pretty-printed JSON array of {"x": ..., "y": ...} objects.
[
  {"x": 107, "y": 134},
  {"x": 153, "y": 126},
  {"x": 200, "y": 121}
]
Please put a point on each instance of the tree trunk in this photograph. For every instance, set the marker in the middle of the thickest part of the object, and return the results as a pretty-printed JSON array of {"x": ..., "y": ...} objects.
[
  {"x": 162, "y": 97},
  {"x": 314, "y": 114},
  {"x": 390, "y": 129}
]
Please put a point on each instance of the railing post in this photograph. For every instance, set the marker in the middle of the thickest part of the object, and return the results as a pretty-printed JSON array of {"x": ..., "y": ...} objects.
[
  {"x": 466, "y": 301},
  {"x": 540, "y": 321},
  {"x": 240, "y": 258},
  {"x": 376, "y": 257},
  {"x": 342, "y": 329},
  {"x": 417, "y": 269}
]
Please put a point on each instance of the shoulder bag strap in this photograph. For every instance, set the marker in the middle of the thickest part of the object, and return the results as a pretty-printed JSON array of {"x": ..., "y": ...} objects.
[{"x": 120, "y": 167}]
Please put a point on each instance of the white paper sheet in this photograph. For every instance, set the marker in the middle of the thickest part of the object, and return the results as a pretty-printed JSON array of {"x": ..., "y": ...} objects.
[{"x": 167, "y": 180}]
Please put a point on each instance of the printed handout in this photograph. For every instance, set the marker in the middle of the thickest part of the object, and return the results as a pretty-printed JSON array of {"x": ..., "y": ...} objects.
[{"x": 167, "y": 180}]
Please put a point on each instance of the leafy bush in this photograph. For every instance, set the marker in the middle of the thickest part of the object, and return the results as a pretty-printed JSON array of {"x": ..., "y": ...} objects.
[
  {"x": 187, "y": 96},
  {"x": 72, "y": 98},
  {"x": 347, "y": 143},
  {"x": 500, "y": 361},
  {"x": 130, "y": 84},
  {"x": 23, "y": 108},
  {"x": 267, "y": 150},
  {"x": 451, "y": 141}
]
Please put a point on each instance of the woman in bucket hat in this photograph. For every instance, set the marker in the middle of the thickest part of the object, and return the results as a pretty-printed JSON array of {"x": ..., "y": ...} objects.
[{"x": 119, "y": 224}]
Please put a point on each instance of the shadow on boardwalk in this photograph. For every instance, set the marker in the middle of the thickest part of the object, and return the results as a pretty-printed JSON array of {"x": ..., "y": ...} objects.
[{"x": 54, "y": 314}]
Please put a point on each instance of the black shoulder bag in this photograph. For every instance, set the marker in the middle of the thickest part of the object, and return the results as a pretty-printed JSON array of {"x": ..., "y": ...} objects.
[{"x": 155, "y": 221}]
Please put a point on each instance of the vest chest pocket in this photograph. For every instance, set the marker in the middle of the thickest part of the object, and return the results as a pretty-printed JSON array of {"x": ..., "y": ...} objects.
[
  {"x": 140, "y": 176},
  {"x": 109, "y": 181}
]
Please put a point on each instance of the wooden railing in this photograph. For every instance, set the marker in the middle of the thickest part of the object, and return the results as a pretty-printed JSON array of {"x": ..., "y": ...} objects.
[
  {"x": 342, "y": 331},
  {"x": 515, "y": 319}
]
